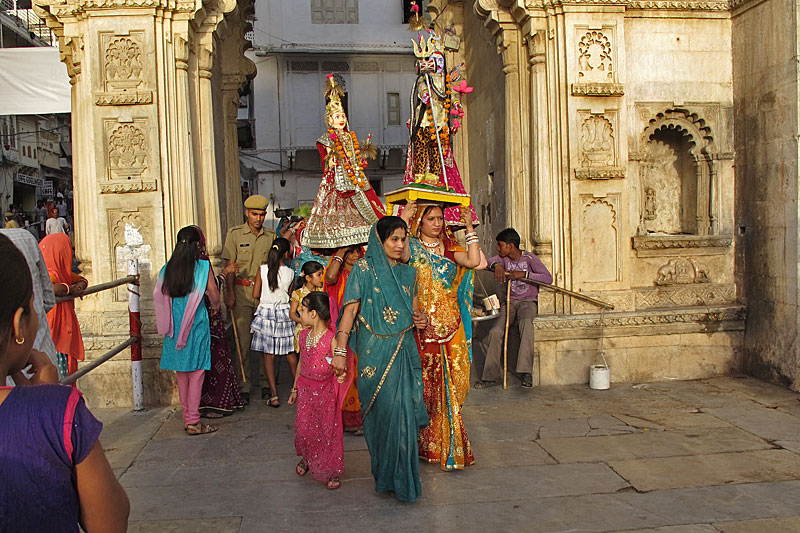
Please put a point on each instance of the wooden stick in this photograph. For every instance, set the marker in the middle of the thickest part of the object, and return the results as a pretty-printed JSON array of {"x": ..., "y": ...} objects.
[
  {"x": 505, "y": 337},
  {"x": 238, "y": 348}
]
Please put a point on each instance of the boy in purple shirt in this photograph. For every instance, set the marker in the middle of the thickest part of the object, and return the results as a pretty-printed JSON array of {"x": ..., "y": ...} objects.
[{"x": 512, "y": 264}]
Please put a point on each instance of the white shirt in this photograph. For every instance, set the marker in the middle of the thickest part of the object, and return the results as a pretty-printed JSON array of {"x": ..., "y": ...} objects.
[
  {"x": 54, "y": 225},
  {"x": 281, "y": 294}
]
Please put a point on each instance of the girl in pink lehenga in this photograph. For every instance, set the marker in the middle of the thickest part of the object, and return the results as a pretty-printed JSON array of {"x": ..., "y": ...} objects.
[{"x": 319, "y": 394}]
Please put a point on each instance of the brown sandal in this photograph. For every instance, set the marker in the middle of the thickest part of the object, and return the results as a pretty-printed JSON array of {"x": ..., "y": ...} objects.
[
  {"x": 333, "y": 483},
  {"x": 199, "y": 429},
  {"x": 301, "y": 468}
]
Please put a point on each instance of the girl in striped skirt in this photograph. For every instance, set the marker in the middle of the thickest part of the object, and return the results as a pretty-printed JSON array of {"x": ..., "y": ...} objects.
[{"x": 273, "y": 330}]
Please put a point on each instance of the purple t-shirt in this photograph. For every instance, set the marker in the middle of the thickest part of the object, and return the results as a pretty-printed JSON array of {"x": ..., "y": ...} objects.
[
  {"x": 534, "y": 270},
  {"x": 45, "y": 430}
]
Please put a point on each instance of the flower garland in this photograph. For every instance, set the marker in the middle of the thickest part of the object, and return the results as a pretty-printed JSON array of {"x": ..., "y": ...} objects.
[
  {"x": 444, "y": 132},
  {"x": 359, "y": 180}
]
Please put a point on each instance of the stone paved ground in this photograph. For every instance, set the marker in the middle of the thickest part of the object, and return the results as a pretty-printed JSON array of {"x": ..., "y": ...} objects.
[{"x": 699, "y": 456}]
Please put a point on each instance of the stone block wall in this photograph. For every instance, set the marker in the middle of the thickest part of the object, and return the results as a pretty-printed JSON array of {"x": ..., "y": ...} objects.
[{"x": 766, "y": 92}]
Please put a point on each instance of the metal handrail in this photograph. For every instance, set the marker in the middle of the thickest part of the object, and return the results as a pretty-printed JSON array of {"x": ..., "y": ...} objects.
[
  {"x": 134, "y": 341},
  {"x": 66, "y": 380},
  {"x": 579, "y": 296},
  {"x": 99, "y": 287}
]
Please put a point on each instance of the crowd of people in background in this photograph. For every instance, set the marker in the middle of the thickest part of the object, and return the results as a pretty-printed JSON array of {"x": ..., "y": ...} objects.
[{"x": 51, "y": 215}]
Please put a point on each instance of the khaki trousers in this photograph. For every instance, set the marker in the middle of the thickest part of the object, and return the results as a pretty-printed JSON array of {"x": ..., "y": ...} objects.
[{"x": 522, "y": 314}]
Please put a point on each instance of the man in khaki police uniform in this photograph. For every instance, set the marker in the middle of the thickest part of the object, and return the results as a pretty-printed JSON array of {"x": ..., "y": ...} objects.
[{"x": 246, "y": 248}]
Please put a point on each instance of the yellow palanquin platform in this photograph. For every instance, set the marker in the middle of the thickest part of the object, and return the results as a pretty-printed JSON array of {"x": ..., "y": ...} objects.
[{"x": 424, "y": 193}]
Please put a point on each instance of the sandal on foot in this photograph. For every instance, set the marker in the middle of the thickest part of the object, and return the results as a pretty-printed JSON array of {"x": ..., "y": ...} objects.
[
  {"x": 274, "y": 402},
  {"x": 199, "y": 429},
  {"x": 333, "y": 483},
  {"x": 301, "y": 468},
  {"x": 480, "y": 384},
  {"x": 527, "y": 381}
]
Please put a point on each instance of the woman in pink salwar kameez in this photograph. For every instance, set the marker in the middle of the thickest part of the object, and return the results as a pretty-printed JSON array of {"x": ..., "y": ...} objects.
[{"x": 319, "y": 394}]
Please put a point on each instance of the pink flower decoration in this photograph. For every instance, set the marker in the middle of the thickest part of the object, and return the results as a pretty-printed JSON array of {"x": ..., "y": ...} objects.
[
  {"x": 415, "y": 8},
  {"x": 454, "y": 112},
  {"x": 456, "y": 125},
  {"x": 329, "y": 76},
  {"x": 333, "y": 136},
  {"x": 463, "y": 87}
]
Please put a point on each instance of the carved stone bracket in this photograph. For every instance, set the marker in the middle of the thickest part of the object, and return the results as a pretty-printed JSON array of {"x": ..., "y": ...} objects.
[
  {"x": 599, "y": 173},
  {"x": 597, "y": 89},
  {"x": 669, "y": 245}
]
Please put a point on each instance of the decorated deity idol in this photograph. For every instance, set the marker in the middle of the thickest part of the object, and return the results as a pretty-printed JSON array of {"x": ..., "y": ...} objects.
[
  {"x": 346, "y": 206},
  {"x": 435, "y": 114}
]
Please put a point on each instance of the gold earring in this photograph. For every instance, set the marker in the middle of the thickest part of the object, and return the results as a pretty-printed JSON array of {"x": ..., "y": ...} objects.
[{"x": 20, "y": 341}]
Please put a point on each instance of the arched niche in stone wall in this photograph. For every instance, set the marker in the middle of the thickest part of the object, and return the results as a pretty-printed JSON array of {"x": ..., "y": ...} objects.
[{"x": 677, "y": 176}]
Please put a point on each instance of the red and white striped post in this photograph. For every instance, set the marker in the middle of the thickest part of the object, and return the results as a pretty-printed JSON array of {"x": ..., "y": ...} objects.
[{"x": 136, "y": 331}]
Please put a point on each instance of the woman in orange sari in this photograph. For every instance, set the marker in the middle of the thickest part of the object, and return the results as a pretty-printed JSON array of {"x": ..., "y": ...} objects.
[
  {"x": 57, "y": 252},
  {"x": 444, "y": 285},
  {"x": 335, "y": 280}
]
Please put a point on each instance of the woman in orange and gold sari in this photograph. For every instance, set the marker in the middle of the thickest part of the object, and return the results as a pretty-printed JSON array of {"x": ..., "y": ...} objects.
[
  {"x": 445, "y": 285},
  {"x": 336, "y": 275}
]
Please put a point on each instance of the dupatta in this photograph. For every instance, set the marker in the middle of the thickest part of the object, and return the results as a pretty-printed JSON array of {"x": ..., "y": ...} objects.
[
  {"x": 163, "y": 303},
  {"x": 57, "y": 252}
]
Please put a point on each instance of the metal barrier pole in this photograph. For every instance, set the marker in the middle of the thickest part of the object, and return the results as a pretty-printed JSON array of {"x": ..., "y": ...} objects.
[{"x": 136, "y": 332}]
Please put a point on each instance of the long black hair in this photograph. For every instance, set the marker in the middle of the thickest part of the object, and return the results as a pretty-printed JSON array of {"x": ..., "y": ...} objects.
[
  {"x": 16, "y": 287},
  {"x": 280, "y": 247},
  {"x": 387, "y": 225},
  {"x": 179, "y": 273},
  {"x": 319, "y": 302}
]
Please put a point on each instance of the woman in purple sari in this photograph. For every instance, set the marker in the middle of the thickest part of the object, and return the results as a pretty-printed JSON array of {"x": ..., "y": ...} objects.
[{"x": 220, "y": 395}]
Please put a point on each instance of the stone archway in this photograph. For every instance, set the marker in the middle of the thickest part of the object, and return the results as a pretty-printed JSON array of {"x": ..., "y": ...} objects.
[{"x": 154, "y": 101}]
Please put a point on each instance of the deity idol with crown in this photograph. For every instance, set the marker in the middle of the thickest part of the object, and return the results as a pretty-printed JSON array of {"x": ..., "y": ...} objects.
[
  {"x": 346, "y": 206},
  {"x": 435, "y": 114}
]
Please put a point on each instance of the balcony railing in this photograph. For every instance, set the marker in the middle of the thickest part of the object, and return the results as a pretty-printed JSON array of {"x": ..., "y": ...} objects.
[{"x": 29, "y": 21}]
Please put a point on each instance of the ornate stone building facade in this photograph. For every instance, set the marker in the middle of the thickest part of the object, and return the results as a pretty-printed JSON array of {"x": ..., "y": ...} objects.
[
  {"x": 606, "y": 133},
  {"x": 154, "y": 103}
]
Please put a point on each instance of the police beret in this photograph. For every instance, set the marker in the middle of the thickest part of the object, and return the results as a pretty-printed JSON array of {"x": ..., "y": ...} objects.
[{"x": 256, "y": 201}]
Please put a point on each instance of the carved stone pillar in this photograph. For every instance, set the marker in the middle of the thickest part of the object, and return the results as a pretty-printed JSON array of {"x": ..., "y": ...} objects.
[
  {"x": 211, "y": 222},
  {"x": 141, "y": 104},
  {"x": 541, "y": 179},
  {"x": 518, "y": 187}
]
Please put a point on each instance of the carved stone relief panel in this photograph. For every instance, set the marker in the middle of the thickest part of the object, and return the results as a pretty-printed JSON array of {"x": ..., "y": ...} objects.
[
  {"x": 681, "y": 271},
  {"x": 686, "y": 295},
  {"x": 123, "y": 73},
  {"x": 127, "y": 156},
  {"x": 599, "y": 244},
  {"x": 598, "y": 146},
  {"x": 131, "y": 237},
  {"x": 595, "y": 62}
]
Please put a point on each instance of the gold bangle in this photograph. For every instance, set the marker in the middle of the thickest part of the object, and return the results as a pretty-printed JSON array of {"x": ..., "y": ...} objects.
[{"x": 67, "y": 286}]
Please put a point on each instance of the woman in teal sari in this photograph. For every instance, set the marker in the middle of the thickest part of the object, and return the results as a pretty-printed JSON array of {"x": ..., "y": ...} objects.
[{"x": 379, "y": 314}]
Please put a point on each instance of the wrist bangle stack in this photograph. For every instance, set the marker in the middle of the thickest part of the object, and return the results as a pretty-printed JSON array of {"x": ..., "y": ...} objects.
[
  {"x": 67, "y": 287},
  {"x": 471, "y": 238},
  {"x": 339, "y": 259}
]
